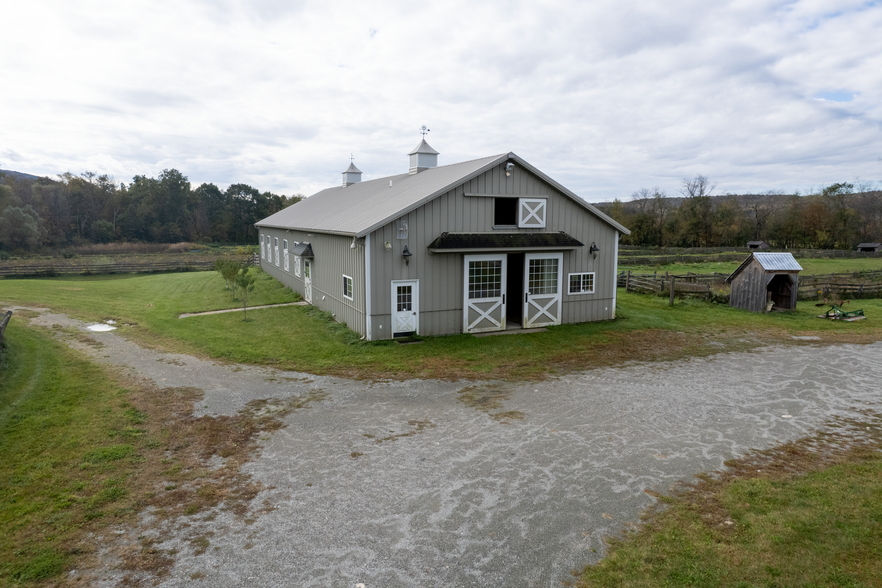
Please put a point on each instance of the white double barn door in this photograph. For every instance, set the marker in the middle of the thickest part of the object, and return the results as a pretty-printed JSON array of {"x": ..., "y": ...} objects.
[{"x": 486, "y": 296}]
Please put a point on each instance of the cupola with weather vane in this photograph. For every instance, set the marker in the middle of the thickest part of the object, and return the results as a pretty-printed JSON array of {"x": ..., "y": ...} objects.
[
  {"x": 352, "y": 175},
  {"x": 423, "y": 156}
]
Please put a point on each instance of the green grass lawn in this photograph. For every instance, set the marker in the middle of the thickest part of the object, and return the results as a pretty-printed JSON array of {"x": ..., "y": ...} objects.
[
  {"x": 69, "y": 444},
  {"x": 804, "y": 514},
  {"x": 809, "y": 265},
  {"x": 301, "y": 338}
]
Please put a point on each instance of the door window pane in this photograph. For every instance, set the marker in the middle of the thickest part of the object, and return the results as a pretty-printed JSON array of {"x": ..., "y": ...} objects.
[
  {"x": 543, "y": 276},
  {"x": 405, "y": 298},
  {"x": 485, "y": 279}
]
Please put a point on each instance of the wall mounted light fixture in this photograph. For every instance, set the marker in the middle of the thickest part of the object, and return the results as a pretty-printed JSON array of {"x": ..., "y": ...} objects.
[
  {"x": 406, "y": 254},
  {"x": 508, "y": 167},
  {"x": 388, "y": 245},
  {"x": 593, "y": 250}
]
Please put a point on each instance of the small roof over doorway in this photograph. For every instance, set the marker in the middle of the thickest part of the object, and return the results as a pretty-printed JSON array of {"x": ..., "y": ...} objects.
[{"x": 499, "y": 242}]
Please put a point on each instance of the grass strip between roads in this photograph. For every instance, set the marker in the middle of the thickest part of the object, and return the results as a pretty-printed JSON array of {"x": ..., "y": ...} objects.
[
  {"x": 806, "y": 513},
  {"x": 83, "y": 451},
  {"x": 308, "y": 340}
]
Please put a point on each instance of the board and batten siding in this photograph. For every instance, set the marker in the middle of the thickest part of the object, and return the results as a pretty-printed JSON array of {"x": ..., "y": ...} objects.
[
  {"x": 441, "y": 274},
  {"x": 334, "y": 257}
]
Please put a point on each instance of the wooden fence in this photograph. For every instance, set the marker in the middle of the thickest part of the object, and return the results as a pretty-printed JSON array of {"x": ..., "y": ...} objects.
[
  {"x": 66, "y": 267},
  {"x": 3, "y": 323},
  {"x": 867, "y": 284}
]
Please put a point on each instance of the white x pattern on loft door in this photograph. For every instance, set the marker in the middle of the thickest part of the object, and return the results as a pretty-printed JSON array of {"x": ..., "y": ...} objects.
[{"x": 531, "y": 213}]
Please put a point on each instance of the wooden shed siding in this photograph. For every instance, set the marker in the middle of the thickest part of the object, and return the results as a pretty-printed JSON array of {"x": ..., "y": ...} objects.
[
  {"x": 440, "y": 275},
  {"x": 334, "y": 257},
  {"x": 748, "y": 289}
]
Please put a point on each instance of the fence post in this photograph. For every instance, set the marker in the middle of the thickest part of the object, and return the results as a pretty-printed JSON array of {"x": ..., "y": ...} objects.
[
  {"x": 628, "y": 281},
  {"x": 673, "y": 280}
]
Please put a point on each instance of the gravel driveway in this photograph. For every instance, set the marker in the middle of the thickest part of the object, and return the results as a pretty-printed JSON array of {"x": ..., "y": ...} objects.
[{"x": 404, "y": 484}]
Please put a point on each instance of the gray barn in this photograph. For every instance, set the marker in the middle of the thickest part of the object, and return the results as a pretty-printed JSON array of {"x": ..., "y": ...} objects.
[
  {"x": 483, "y": 245},
  {"x": 765, "y": 278}
]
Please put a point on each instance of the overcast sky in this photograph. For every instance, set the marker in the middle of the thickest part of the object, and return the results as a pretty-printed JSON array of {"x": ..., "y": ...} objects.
[{"x": 605, "y": 96}]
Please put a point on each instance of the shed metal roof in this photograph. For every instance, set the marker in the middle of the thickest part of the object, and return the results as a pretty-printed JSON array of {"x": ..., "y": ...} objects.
[
  {"x": 362, "y": 207},
  {"x": 860, "y": 245},
  {"x": 771, "y": 262}
]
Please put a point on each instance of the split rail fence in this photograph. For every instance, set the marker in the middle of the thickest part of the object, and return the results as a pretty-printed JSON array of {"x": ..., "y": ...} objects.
[
  {"x": 867, "y": 284},
  {"x": 3, "y": 322}
]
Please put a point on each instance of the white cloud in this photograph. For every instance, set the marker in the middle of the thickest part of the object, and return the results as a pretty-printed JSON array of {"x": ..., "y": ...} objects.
[{"x": 607, "y": 97}]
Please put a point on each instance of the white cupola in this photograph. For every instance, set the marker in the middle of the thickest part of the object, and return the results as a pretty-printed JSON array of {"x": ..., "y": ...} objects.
[
  {"x": 422, "y": 157},
  {"x": 352, "y": 175}
]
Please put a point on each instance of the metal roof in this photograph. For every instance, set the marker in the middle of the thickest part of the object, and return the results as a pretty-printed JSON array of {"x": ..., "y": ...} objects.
[
  {"x": 424, "y": 147},
  {"x": 471, "y": 241},
  {"x": 358, "y": 209},
  {"x": 352, "y": 169},
  {"x": 303, "y": 250},
  {"x": 777, "y": 261},
  {"x": 771, "y": 262},
  {"x": 869, "y": 245}
]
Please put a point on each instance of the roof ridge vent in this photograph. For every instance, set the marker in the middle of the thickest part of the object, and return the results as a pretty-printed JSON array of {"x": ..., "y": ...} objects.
[
  {"x": 423, "y": 156},
  {"x": 352, "y": 175}
]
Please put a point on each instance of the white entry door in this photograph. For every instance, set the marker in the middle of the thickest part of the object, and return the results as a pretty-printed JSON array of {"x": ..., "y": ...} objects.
[
  {"x": 543, "y": 287},
  {"x": 405, "y": 307},
  {"x": 484, "y": 293},
  {"x": 307, "y": 280}
]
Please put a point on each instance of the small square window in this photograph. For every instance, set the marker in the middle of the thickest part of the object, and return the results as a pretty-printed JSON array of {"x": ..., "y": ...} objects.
[
  {"x": 347, "y": 287},
  {"x": 581, "y": 283}
]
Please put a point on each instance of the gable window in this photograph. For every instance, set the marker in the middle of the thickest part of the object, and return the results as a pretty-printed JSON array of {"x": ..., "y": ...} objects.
[
  {"x": 347, "y": 287},
  {"x": 505, "y": 212},
  {"x": 581, "y": 283}
]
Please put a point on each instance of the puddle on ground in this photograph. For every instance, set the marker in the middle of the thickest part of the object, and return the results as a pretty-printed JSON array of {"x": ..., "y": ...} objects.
[{"x": 100, "y": 328}]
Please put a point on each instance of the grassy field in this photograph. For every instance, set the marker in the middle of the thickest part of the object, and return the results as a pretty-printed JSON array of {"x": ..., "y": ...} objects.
[
  {"x": 83, "y": 449},
  {"x": 302, "y": 338},
  {"x": 806, "y": 514},
  {"x": 810, "y": 266}
]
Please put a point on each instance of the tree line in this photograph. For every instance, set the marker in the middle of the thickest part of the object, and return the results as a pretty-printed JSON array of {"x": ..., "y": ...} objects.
[
  {"x": 838, "y": 216},
  {"x": 92, "y": 208}
]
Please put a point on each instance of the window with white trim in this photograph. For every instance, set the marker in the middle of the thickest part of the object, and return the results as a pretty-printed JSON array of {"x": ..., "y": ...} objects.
[
  {"x": 581, "y": 283},
  {"x": 347, "y": 287},
  {"x": 277, "y": 251},
  {"x": 285, "y": 253},
  {"x": 262, "y": 245}
]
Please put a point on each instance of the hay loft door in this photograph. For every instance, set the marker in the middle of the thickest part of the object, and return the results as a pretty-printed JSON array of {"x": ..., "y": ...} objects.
[
  {"x": 542, "y": 289},
  {"x": 483, "y": 293},
  {"x": 405, "y": 308}
]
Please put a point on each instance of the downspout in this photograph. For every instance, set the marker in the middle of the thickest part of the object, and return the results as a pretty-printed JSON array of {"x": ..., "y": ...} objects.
[
  {"x": 367, "y": 286},
  {"x": 615, "y": 275}
]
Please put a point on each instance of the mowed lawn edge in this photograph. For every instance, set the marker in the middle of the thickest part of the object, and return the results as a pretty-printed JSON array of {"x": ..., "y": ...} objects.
[
  {"x": 804, "y": 513},
  {"x": 304, "y": 339}
]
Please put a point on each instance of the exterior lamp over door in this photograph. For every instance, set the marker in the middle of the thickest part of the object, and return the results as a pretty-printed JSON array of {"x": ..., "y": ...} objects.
[
  {"x": 406, "y": 254},
  {"x": 593, "y": 250}
]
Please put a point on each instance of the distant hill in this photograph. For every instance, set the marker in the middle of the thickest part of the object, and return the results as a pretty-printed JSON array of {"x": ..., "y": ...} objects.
[{"x": 19, "y": 175}]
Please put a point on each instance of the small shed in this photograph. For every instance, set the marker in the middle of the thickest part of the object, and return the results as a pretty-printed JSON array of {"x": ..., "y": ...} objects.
[
  {"x": 765, "y": 281},
  {"x": 869, "y": 247},
  {"x": 757, "y": 245}
]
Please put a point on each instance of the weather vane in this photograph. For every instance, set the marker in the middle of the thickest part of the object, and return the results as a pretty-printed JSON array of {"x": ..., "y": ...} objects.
[
  {"x": 351, "y": 157},
  {"x": 424, "y": 130}
]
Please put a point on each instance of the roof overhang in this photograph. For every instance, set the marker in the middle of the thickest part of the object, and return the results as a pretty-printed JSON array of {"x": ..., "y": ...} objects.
[
  {"x": 303, "y": 250},
  {"x": 502, "y": 242}
]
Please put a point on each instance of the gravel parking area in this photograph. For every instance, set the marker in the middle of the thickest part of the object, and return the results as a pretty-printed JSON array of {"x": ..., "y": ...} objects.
[{"x": 413, "y": 484}]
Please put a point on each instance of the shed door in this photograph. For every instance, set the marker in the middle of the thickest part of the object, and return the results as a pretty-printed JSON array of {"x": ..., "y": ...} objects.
[
  {"x": 405, "y": 307},
  {"x": 542, "y": 287},
  {"x": 307, "y": 280},
  {"x": 484, "y": 293}
]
